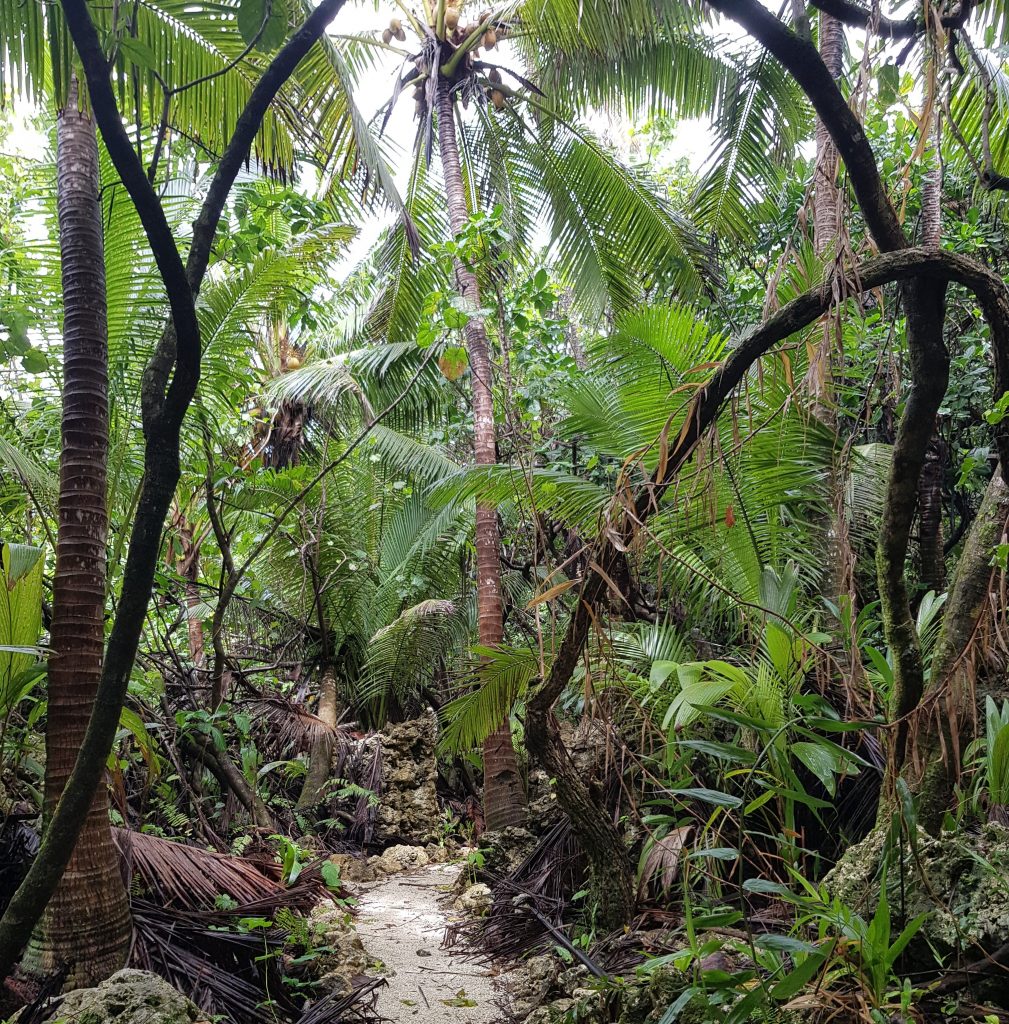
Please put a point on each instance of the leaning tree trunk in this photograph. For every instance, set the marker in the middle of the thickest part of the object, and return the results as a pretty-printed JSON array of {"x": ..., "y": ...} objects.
[
  {"x": 320, "y": 757},
  {"x": 87, "y": 922},
  {"x": 504, "y": 797},
  {"x": 947, "y": 709}
]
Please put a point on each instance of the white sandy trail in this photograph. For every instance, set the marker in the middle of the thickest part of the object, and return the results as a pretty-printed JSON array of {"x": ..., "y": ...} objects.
[{"x": 401, "y": 923}]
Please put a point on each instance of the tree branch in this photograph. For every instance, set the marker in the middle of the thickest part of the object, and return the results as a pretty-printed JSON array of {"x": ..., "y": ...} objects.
[
  {"x": 937, "y": 268},
  {"x": 801, "y": 59},
  {"x": 857, "y": 16}
]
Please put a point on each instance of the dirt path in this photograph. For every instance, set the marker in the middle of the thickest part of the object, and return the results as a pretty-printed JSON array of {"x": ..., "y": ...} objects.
[{"x": 402, "y": 921}]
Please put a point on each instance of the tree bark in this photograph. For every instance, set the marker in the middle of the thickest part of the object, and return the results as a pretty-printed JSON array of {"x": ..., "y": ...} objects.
[
  {"x": 504, "y": 796},
  {"x": 934, "y": 769},
  {"x": 826, "y": 196},
  {"x": 87, "y": 921},
  {"x": 320, "y": 757},
  {"x": 187, "y": 564},
  {"x": 930, "y": 543}
]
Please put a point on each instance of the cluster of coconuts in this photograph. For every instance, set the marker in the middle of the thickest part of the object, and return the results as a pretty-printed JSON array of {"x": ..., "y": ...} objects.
[
  {"x": 394, "y": 31},
  {"x": 456, "y": 33}
]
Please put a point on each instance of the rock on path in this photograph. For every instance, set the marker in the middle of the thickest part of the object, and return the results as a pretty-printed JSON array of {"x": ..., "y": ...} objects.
[{"x": 401, "y": 923}]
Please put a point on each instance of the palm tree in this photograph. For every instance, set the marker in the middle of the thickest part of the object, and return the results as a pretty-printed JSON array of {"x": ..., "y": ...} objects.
[
  {"x": 504, "y": 795},
  {"x": 87, "y": 920},
  {"x": 530, "y": 168},
  {"x": 90, "y": 909}
]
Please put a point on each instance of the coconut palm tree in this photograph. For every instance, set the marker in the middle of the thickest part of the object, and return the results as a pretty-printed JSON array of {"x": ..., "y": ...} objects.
[
  {"x": 520, "y": 153},
  {"x": 90, "y": 909},
  {"x": 188, "y": 75}
]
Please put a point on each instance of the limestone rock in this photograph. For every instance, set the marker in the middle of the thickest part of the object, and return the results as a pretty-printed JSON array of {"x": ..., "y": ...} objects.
[
  {"x": 531, "y": 984},
  {"x": 354, "y": 869},
  {"x": 475, "y": 899},
  {"x": 556, "y": 1012},
  {"x": 401, "y": 858},
  {"x": 966, "y": 869},
  {"x": 128, "y": 997},
  {"x": 409, "y": 810},
  {"x": 342, "y": 956},
  {"x": 504, "y": 849}
]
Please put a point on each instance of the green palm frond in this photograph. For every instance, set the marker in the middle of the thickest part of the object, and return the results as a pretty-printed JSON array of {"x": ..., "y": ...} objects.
[
  {"x": 578, "y": 503},
  {"x": 499, "y": 680},
  {"x": 757, "y": 130}
]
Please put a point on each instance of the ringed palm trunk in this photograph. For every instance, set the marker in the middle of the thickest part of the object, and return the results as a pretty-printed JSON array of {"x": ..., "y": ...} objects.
[
  {"x": 87, "y": 922},
  {"x": 826, "y": 203},
  {"x": 504, "y": 797}
]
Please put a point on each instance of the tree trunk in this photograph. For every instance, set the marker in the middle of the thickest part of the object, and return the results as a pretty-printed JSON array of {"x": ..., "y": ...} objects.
[
  {"x": 504, "y": 797},
  {"x": 187, "y": 563},
  {"x": 933, "y": 770},
  {"x": 826, "y": 196},
  {"x": 930, "y": 536},
  {"x": 611, "y": 880},
  {"x": 320, "y": 758},
  {"x": 930, "y": 543},
  {"x": 87, "y": 921},
  {"x": 826, "y": 228}
]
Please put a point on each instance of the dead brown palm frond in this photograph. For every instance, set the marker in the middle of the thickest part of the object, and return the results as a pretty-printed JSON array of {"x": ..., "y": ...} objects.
[
  {"x": 661, "y": 858},
  {"x": 229, "y": 964},
  {"x": 189, "y": 878},
  {"x": 358, "y": 1005},
  {"x": 286, "y": 727},
  {"x": 227, "y": 972}
]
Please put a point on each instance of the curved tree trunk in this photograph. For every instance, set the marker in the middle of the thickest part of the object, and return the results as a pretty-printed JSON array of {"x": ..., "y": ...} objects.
[
  {"x": 504, "y": 797},
  {"x": 87, "y": 922},
  {"x": 320, "y": 758}
]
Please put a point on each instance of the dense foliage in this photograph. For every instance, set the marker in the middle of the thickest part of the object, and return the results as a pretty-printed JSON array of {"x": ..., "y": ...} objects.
[{"x": 669, "y": 483}]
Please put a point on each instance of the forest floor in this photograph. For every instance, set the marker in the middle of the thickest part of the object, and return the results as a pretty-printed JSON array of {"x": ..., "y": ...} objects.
[{"x": 402, "y": 921}]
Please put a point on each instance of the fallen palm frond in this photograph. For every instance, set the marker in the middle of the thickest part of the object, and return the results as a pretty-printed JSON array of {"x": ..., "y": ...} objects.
[
  {"x": 230, "y": 963},
  {"x": 358, "y": 1005},
  {"x": 528, "y": 903},
  {"x": 224, "y": 971},
  {"x": 189, "y": 878}
]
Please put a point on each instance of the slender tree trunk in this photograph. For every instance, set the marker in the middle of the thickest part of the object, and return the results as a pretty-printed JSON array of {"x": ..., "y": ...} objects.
[
  {"x": 932, "y": 774},
  {"x": 504, "y": 797},
  {"x": 930, "y": 535},
  {"x": 87, "y": 922},
  {"x": 826, "y": 228},
  {"x": 930, "y": 543},
  {"x": 188, "y": 565},
  {"x": 826, "y": 197},
  {"x": 320, "y": 758}
]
